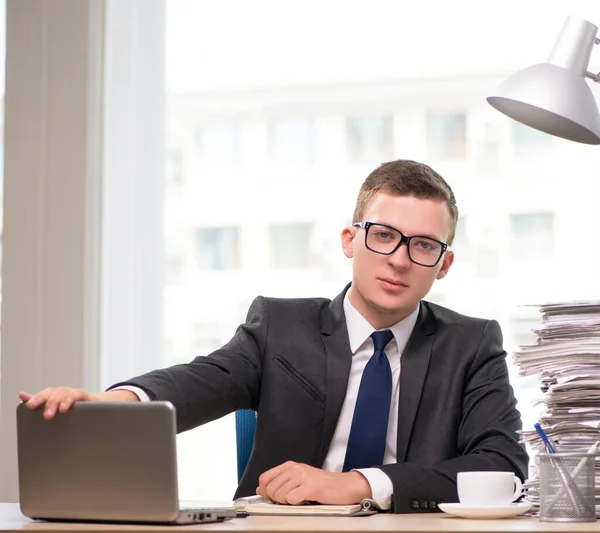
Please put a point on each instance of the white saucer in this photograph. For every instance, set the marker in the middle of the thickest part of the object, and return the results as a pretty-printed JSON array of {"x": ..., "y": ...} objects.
[{"x": 485, "y": 512}]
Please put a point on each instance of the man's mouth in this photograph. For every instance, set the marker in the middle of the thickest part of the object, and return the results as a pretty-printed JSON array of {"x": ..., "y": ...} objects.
[{"x": 394, "y": 282}]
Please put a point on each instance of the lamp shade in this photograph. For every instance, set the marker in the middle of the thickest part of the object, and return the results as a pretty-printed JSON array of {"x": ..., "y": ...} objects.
[{"x": 554, "y": 97}]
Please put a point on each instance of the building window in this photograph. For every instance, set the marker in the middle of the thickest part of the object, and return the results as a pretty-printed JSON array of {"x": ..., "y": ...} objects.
[
  {"x": 531, "y": 236},
  {"x": 370, "y": 139},
  {"x": 289, "y": 245},
  {"x": 447, "y": 136},
  {"x": 218, "y": 142},
  {"x": 528, "y": 141},
  {"x": 217, "y": 248},
  {"x": 292, "y": 141}
]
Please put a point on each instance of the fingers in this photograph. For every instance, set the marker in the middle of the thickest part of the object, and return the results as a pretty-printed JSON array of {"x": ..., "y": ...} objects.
[
  {"x": 65, "y": 404},
  {"x": 297, "y": 496},
  {"x": 61, "y": 399},
  {"x": 25, "y": 396},
  {"x": 296, "y": 483},
  {"x": 277, "y": 490},
  {"x": 283, "y": 484},
  {"x": 55, "y": 399},
  {"x": 38, "y": 399},
  {"x": 268, "y": 476},
  {"x": 51, "y": 403},
  {"x": 284, "y": 494}
]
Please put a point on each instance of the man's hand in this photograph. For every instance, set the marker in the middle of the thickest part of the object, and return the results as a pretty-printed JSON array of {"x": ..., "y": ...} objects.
[
  {"x": 296, "y": 483},
  {"x": 60, "y": 399}
]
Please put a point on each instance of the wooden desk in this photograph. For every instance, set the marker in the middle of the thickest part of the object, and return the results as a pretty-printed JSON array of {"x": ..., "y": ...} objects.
[{"x": 11, "y": 519}]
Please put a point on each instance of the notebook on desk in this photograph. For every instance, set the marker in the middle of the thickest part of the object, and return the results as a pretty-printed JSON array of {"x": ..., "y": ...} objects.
[
  {"x": 256, "y": 505},
  {"x": 104, "y": 461}
]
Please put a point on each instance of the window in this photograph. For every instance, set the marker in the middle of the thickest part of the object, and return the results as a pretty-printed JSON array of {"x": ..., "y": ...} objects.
[
  {"x": 370, "y": 139},
  {"x": 447, "y": 136},
  {"x": 217, "y": 142},
  {"x": 289, "y": 245},
  {"x": 531, "y": 236},
  {"x": 528, "y": 141},
  {"x": 292, "y": 141},
  {"x": 217, "y": 248}
]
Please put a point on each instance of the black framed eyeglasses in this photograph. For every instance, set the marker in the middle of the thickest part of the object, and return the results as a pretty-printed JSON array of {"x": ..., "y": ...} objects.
[{"x": 385, "y": 240}]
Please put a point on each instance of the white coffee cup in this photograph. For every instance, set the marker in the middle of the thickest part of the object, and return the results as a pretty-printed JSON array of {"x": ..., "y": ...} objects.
[{"x": 488, "y": 489}]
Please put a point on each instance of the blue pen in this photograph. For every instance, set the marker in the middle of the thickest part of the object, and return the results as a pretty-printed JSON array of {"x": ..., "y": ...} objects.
[{"x": 544, "y": 437}]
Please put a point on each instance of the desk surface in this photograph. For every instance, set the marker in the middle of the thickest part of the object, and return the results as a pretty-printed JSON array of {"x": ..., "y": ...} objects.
[{"x": 11, "y": 519}]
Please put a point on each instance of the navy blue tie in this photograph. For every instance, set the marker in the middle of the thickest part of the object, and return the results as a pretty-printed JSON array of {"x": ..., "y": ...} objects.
[{"x": 366, "y": 444}]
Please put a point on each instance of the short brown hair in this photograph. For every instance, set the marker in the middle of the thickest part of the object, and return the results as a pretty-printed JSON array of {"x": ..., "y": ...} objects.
[{"x": 407, "y": 178}]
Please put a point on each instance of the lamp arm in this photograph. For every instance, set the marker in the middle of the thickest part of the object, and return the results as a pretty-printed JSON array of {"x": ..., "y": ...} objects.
[{"x": 591, "y": 75}]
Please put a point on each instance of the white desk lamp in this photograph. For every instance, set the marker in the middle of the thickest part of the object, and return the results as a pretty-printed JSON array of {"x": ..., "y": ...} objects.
[{"x": 554, "y": 97}]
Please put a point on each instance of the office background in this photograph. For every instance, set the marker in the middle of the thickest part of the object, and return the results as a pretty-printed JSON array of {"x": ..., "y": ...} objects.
[{"x": 167, "y": 161}]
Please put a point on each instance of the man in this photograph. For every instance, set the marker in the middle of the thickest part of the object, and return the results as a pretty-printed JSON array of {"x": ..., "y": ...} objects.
[{"x": 374, "y": 394}]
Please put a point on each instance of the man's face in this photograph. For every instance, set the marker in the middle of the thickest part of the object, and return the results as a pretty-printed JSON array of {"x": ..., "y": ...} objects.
[{"x": 387, "y": 288}]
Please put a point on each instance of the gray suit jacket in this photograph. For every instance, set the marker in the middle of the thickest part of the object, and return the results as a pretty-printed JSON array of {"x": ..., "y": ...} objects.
[{"x": 290, "y": 361}]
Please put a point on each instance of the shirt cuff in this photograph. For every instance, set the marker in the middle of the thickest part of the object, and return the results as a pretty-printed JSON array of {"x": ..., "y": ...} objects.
[
  {"x": 140, "y": 393},
  {"x": 382, "y": 487}
]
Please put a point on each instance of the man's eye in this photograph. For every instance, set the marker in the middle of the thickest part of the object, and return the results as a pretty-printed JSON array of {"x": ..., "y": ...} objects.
[{"x": 426, "y": 245}]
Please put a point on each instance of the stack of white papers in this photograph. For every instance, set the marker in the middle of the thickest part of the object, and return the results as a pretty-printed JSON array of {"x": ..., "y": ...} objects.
[{"x": 566, "y": 357}]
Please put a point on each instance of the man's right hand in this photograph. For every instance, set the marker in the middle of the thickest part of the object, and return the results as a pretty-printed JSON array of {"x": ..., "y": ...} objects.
[{"x": 60, "y": 399}]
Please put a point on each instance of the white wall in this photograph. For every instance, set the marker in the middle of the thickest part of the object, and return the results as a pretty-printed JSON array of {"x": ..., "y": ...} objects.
[
  {"x": 50, "y": 272},
  {"x": 83, "y": 228}
]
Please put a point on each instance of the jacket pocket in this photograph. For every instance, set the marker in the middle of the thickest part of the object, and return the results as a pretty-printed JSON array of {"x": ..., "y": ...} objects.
[{"x": 288, "y": 368}]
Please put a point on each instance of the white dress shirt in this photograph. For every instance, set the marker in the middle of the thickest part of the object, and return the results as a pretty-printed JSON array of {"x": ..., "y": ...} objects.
[
  {"x": 362, "y": 347},
  {"x": 361, "y": 344}
]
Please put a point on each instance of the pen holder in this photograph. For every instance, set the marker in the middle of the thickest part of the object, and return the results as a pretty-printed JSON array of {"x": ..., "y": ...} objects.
[{"x": 567, "y": 487}]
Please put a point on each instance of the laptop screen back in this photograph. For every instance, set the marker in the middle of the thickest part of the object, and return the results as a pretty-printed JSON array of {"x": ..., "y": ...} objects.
[{"x": 100, "y": 461}]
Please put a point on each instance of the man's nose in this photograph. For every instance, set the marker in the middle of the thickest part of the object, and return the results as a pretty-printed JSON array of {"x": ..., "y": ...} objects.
[{"x": 400, "y": 257}]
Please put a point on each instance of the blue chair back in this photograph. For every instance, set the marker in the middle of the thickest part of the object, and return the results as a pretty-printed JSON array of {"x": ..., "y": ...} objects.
[{"x": 245, "y": 428}]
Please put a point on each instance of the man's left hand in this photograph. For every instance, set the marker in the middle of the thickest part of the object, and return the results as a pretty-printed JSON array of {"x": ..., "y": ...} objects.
[{"x": 296, "y": 483}]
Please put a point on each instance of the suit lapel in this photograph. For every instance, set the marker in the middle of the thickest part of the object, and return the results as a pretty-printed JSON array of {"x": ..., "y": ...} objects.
[
  {"x": 414, "y": 366},
  {"x": 339, "y": 358}
]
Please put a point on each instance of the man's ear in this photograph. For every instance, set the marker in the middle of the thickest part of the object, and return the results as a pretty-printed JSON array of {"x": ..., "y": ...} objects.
[
  {"x": 348, "y": 235},
  {"x": 446, "y": 264}
]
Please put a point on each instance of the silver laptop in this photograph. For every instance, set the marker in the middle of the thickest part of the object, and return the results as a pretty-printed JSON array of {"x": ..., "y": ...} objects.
[{"x": 104, "y": 461}]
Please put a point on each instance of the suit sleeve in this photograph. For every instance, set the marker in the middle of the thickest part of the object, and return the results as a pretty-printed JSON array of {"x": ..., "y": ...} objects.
[
  {"x": 487, "y": 435},
  {"x": 212, "y": 386}
]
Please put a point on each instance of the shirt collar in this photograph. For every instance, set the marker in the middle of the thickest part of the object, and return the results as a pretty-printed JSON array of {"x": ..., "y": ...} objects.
[{"x": 359, "y": 328}]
